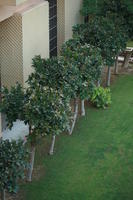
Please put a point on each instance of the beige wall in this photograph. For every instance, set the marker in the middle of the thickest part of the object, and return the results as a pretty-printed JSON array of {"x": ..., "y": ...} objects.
[
  {"x": 68, "y": 14},
  {"x": 11, "y": 2},
  {"x": 23, "y": 36},
  {"x": 35, "y": 25},
  {"x": 27, "y": 34},
  {"x": 72, "y": 16}
]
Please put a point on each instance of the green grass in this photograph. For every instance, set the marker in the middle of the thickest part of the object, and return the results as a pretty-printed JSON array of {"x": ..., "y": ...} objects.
[
  {"x": 96, "y": 162},
  {"x": 130, "y": 44}
]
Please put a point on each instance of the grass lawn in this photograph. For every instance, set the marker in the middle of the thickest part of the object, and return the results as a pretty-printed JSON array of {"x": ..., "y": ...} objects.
[
  {"x": 96, "y": 162},
  {"x": 130, "y": 44}
]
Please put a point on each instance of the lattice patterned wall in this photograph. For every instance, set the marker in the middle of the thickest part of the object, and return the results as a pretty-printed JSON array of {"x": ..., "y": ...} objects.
[{"x": 11, "y": 60}]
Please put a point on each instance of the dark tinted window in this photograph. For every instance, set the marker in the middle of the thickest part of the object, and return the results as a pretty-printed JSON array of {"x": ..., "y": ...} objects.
[{"x": 53, "y": 27}]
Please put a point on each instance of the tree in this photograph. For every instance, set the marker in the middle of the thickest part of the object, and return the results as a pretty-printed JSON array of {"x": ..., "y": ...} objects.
[
  {"x": 88, "y": 61},
  {"x": 57, "y": 74},
  {"x": 13, "y": 162},
  {"x": 91, "y": 7},
  {"x": 45, "y": 110},
  {"x": 120, "y": 9},
  {"x": 101, "y": 32},
  {"x": 50, "y": 115},
  {"x": 13, "y": 103}
]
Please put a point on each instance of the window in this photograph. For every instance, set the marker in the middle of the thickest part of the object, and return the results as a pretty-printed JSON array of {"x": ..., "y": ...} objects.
[{"x": 53, "y": 27}]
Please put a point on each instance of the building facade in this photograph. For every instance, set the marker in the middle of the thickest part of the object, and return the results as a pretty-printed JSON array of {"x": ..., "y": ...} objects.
[
  {"x": 63, "y": 14},
  {"x": 33, "y": 27}
]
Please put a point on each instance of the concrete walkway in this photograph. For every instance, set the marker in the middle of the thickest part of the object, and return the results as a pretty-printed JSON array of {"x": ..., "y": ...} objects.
[{"x": 18, "y": 131}]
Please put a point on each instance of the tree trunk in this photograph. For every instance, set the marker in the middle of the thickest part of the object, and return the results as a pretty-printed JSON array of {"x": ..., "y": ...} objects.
[
  {"x": 127, "y": 59},
  {"x": 116, "y": 66},
  {"x": 83, "y": 108},
  {"x": 75, "y": 116},
  {"x": 51, "y": 151},
  {"x": 32, "y": 158},
  {"x": 99, "y": 83},
  {"x": 3, "y": 196},
  {"x": 108, "y": 77}
]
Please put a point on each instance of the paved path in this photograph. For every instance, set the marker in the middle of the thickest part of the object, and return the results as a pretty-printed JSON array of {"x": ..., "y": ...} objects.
[{"x": 18, "y": 131}]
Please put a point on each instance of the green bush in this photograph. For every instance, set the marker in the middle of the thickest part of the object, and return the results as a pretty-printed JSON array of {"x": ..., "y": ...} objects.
[
  {"x": 13, "y": 162},
  {"x": 101, "y": 97},
  {"x": 87, "y": 60},
  {"x": 12, "y": 103},
  {"x": 101, "y": 32}
]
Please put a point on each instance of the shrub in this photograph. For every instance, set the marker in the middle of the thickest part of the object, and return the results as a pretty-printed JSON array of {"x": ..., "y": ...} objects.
[
  {"x": 103, "y": 33},
  {"x": 88, "y": 61},
  {"x": 45, "y": 110},
  {"x": 55, "y": 73},
  {"x": 12, "y": 104},
  {"x": 121, "y": 9},
  {"x": 13, "y": 156},
  {"x": 101, "y": 97}
]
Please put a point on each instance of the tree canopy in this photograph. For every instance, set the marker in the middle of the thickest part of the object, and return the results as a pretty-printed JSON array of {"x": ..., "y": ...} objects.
[
  {"x": 87, "y": 59},
  {"x": 122, "y": 9},
  {"x": 101, "y": 32},
  {"x": 13, "y": 156}
]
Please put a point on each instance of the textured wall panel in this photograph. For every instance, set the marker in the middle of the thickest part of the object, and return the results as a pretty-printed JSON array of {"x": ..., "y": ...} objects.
[{"x": 11, "y": 60}]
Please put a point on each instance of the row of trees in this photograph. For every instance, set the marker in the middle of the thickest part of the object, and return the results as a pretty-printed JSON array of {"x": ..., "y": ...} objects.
[
  {"x": 103, "y": 33},
  {"x": 45, "y": 105},
  {"x": 118, "y": 9},
  {"x": 109, "y": 26}
]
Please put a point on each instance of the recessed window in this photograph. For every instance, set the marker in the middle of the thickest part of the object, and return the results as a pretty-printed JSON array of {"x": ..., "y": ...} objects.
[{"x": 53, "y": 27}]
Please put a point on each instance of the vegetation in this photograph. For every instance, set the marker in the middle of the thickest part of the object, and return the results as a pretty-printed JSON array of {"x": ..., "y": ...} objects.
[
  {"x": 52, "y": 104},
  {"x": 45, "y": 110},
  {"x": 109, "y": 26},
  {"x": 122, "y": 10},
  {"x": 130, "y": 44},
  {"x": 103, "y": 33},
  {"x": 91, "y": 8},
  {"x": 101, "y": 97},
  {"x": 45, "y": 104},
  {"x": 96, "y": 162},
  {"x": 13, "y": 156},
  {"x": 88, "y": 61},
  {"x": 55, "y": 73},
  {"x": 12, "y": 104}
]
